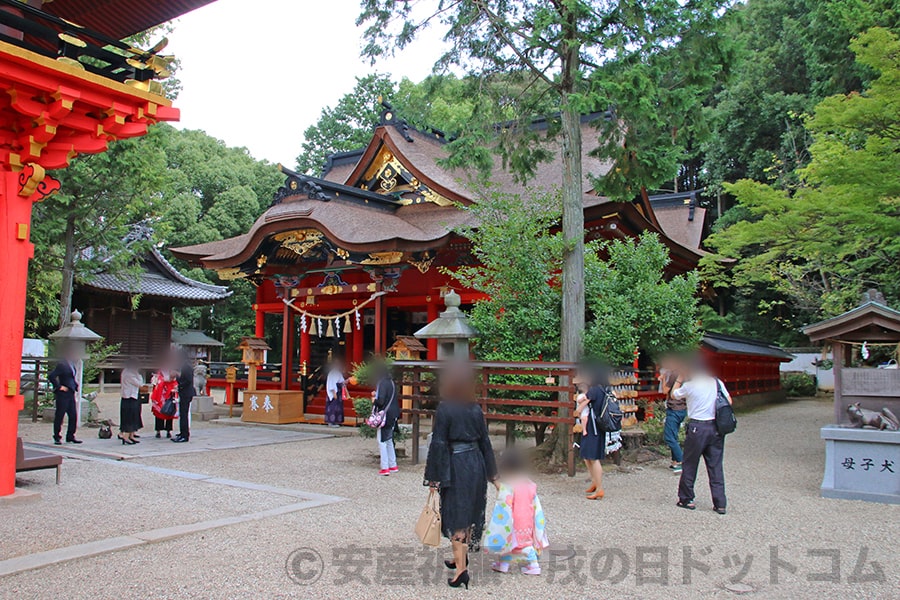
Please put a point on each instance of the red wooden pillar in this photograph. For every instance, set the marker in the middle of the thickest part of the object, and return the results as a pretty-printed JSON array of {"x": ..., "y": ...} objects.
[
  {"x": 380, "y": 326},
  {"x": 433, "y": 312},
  {"x": 17, "y": 249},
  {"x": 260, "y": 331},
  {"x": 287, "y": 331},
  {"x": 304, "y": 347}
]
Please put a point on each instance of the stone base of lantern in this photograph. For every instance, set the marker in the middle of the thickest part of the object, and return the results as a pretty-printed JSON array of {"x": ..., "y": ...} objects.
[
  {"x": 202, "y": 408},
  {"x": 272, "y": 406},
  {"x": 861, "y": 464}
]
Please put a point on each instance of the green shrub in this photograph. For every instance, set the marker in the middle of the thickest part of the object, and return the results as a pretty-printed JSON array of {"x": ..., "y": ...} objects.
[
  {"x": 654, "y": 431},
  {"x": 798, "y": 384}
]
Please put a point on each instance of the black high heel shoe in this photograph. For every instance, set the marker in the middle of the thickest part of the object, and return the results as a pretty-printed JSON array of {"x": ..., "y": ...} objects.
[
  {"x": 124, "y": 441},
  {"x": 451, "y": 564},
  {"x": 461, "y": 579}
]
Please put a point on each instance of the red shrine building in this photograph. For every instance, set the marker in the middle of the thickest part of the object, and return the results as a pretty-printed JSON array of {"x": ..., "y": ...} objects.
[
  {"x": 69, "y": 86},
  {"x": 350, "y": 260}
]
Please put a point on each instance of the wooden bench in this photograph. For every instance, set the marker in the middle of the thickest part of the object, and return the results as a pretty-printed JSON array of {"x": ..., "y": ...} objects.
[{"x": 35, "y": 460}]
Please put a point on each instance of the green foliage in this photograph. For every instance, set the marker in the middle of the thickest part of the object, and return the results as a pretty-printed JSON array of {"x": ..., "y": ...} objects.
[
  {"x": 519, "y": 258},
  {"x": 190, "y": 187},
  {"x": 346, "y": 126},
  {"x": 654, "y": 429},
  {"x": 98, "y": 353},
  {"x": 839, "y": 232},
  {"x": 519, "y": 253},
  {"x": 101, "y": 197},
  {"x": 440, "y": 101},
  {"x": 791, "y": 55},
  {"x": 632, "y": 306},
  {"x": 531, "y": 58},
  {"x": 798, "y": 384}
]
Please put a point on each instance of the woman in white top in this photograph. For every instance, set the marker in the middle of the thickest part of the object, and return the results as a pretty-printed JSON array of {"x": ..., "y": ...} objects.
[{"x": 130, "y": 406}]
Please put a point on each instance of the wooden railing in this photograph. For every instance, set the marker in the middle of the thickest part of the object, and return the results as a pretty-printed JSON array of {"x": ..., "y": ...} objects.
[{"x": 540, "y": 394}]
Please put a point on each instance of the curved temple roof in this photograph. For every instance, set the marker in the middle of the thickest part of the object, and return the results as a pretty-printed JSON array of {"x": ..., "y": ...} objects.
[
  {"x": 158, "y": 278},
  {"x": 395, "y": 196}
]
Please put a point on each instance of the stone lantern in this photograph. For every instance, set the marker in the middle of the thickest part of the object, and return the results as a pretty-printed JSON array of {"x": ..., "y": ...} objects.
[
  {"x": 75, "y": 336},
  {"x": 451, "y": 329},
  {"x": 254, "y": 354}
]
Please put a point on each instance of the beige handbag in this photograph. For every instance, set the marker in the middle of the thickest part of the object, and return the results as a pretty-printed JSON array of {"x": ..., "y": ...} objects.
[{"x": 428, "y": 527}]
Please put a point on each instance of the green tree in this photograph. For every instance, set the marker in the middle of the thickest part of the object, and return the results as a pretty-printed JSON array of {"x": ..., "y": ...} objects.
[
  {"x": 520, "y": 252},
  {"x": 346, "y": 126},
  {"x": 101, "y": 197},
  {"x": 633, "y": 306},
  {"x": 438, "y": 102},
  {"x": 539, "y": 49},
  {"x": 837, "y": 233},
  {"x": 518, "y": 258},
  {"x": 791, "y": 55}
]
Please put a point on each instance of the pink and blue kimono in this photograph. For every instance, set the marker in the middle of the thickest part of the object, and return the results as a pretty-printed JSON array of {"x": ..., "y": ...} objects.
[{"x": 516, "y": 530}]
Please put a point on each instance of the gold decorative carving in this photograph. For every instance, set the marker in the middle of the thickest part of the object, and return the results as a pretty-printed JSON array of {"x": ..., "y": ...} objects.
[
  {"x": 342, "y": 253},
  {"x": 424, "y": 264},
  {"x": 383, "y": 258},
  {"x": 230, "y": 274},
  {"x": 300, "y": 241}
]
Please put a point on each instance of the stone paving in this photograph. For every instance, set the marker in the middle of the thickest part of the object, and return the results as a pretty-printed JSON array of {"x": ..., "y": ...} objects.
[{"x": 268, "y": 521}]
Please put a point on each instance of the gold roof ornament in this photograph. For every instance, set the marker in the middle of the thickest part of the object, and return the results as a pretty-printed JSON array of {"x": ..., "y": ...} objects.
[
  {"x": 383, "y": 258},
  {"x": 230, "y": 274},
  {"x": 300, "y": 241}
]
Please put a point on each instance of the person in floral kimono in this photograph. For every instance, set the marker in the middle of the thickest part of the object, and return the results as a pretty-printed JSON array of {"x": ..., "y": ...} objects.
[{"x": 517, "y": 530}]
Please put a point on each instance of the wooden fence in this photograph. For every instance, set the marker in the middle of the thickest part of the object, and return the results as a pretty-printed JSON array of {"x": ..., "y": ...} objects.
[{"x": 540, "y": 394}]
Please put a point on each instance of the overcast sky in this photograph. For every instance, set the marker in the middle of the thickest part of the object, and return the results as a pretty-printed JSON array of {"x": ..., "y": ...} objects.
[{"x": 256, "y": 73}]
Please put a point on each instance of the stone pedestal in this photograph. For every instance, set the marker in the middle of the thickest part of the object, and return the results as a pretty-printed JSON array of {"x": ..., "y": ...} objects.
[
  {"x": 861, "y": 464},
  {"x": 202, "y": 408}
]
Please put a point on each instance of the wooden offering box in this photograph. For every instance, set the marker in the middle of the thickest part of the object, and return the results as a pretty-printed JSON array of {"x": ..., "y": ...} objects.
[{"x": 272, "y": 406}]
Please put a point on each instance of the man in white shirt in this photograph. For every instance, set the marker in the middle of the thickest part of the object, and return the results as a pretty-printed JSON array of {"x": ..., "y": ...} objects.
[
  {"x": 334, "y": 390},
  {"x": 699, "y": 390}
]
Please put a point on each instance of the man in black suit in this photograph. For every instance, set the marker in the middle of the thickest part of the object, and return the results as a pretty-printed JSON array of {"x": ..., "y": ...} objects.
[
  {"x": 185, "y": 395},
  {"x": 65, "y": 388}
]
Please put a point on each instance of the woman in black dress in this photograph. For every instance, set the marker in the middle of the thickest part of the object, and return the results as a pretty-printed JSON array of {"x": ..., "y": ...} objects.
[
  {"x": 593, "y": 442},
  {"x": 460, "y": 463}
]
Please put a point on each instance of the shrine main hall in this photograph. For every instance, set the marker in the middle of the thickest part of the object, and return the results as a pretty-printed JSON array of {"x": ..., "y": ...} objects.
[{"x": 346, "y": 262}]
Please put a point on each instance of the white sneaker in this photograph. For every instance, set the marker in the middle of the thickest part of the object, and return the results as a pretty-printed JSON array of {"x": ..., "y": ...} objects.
[{"x": 531, "y": 569}]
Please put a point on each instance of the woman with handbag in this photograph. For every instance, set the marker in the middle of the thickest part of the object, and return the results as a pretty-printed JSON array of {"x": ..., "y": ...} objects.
[
  {"x": 385, "y": 414},
  {"x": 460, "y": 464},
  {"x": 130, "y": 405}
]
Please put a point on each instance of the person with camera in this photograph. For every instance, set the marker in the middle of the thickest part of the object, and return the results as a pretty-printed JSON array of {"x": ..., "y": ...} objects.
[{"x": 699, "y": 390}]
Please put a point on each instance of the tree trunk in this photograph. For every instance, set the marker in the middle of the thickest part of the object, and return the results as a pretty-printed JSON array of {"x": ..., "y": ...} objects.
[
  {"x": 572, "y": 318},
  {"x": 68, "y": 274}
]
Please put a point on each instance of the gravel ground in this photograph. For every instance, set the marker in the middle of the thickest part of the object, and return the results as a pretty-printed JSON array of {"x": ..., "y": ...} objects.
[{"x": 773, "y": 471}]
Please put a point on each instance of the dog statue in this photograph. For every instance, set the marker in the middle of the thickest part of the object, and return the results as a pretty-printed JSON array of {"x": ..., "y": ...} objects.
[
  {"x": 862, "y": 417},
  {"x": 200, "y": 379}
]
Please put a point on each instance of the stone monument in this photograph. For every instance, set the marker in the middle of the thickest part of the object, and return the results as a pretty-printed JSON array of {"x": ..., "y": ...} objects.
[{"x": 862, "y": 448}]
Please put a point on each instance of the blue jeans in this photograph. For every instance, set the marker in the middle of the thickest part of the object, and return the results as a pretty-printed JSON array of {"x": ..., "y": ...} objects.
[{"x": 670, "y": 433}]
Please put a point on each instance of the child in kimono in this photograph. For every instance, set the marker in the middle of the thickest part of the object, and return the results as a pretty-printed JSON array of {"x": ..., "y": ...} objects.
[{"x": 516, "y": 530}]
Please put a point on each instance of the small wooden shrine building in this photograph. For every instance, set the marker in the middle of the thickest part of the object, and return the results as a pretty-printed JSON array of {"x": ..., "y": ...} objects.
[
  {"x": 144, "y": 330},
  {"x": 355, "y": 258}
]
